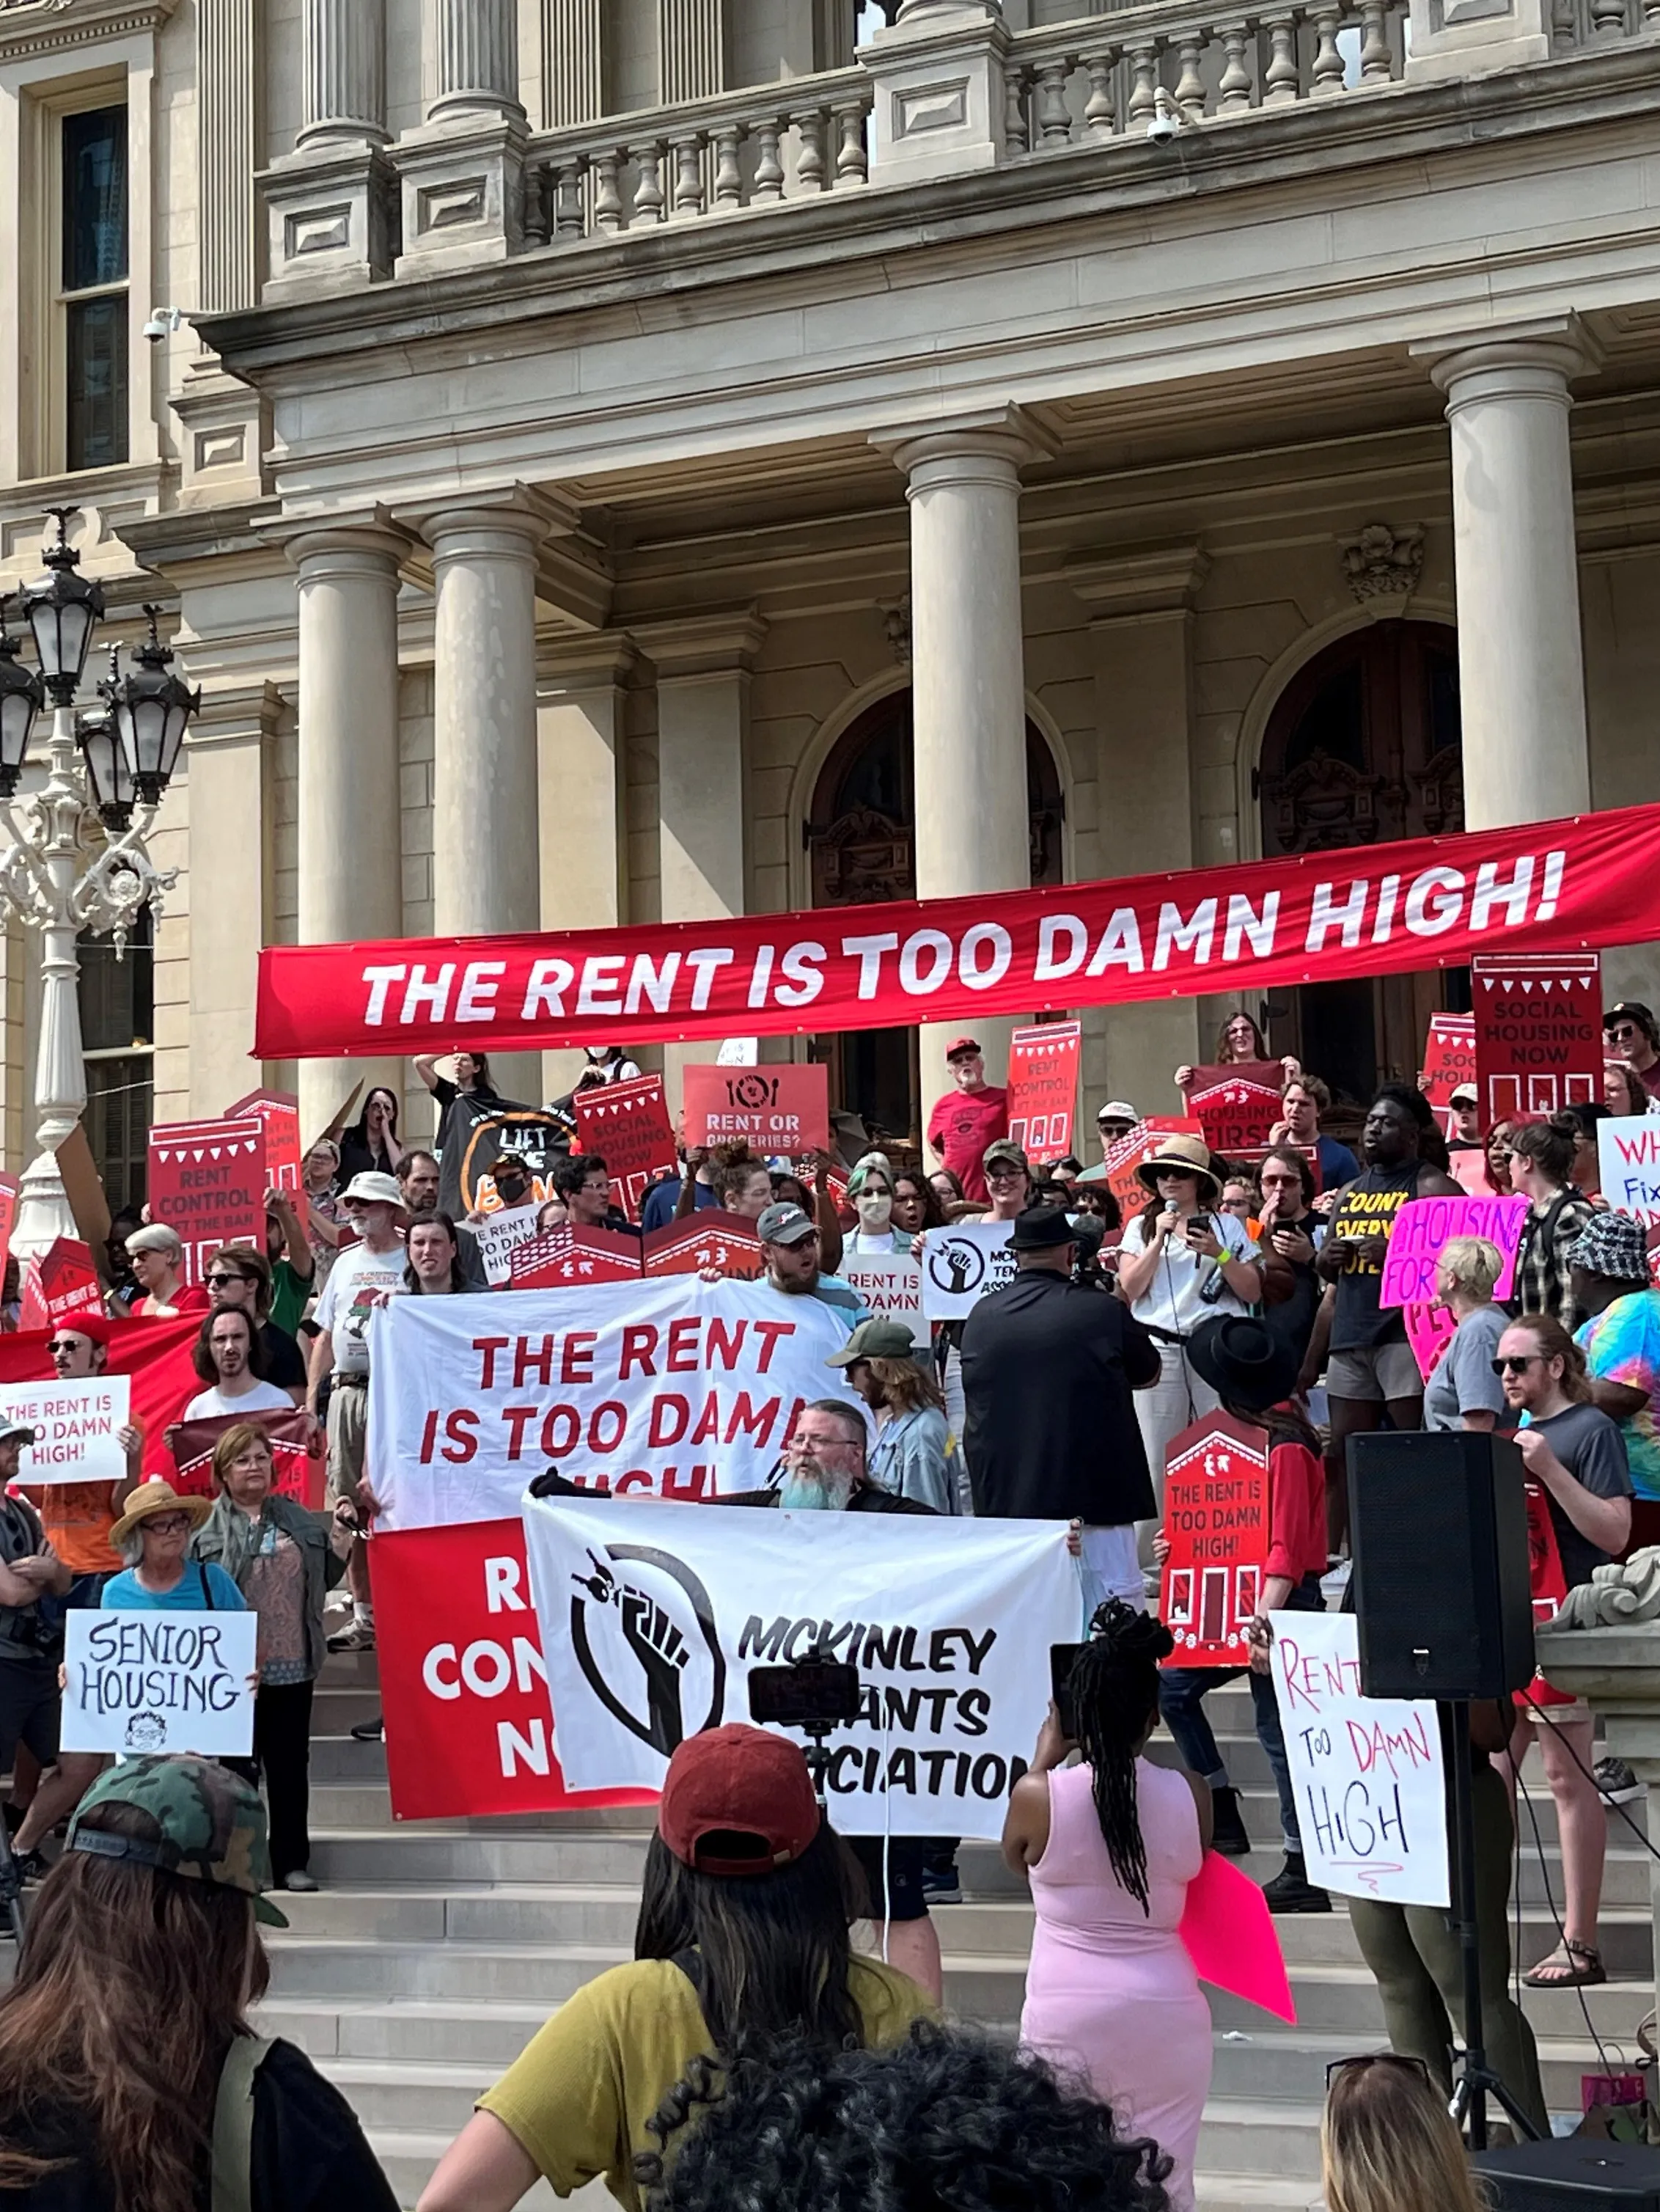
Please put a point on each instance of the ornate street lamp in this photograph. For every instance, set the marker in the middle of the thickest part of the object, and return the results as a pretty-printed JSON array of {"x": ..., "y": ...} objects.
[{"x": 126, "y": 757}]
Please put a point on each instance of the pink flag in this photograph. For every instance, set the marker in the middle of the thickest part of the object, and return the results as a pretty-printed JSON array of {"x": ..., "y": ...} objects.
[{"x": 1232, "y": 1940}]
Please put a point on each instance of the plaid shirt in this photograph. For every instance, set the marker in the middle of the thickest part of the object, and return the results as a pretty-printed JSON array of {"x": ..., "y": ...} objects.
[{"x": 1542, "y": 1269}]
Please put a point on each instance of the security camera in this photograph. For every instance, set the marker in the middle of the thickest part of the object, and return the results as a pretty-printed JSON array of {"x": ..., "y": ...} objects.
[
  {"x": 162, "y": 324},
  {"x": 1159, "y": 132}
]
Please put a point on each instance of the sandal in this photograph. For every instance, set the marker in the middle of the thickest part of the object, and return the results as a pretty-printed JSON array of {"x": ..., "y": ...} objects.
[{"x": 1583, "y": 1966}]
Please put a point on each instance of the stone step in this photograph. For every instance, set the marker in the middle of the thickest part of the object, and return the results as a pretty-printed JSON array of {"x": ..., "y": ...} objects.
[
  {"x": 1249, "y": 2135},
  {"x": 488, "y": 2032},
  {"x": 1254, "y": 2192},
  {"x": 442, "y": 1855}
]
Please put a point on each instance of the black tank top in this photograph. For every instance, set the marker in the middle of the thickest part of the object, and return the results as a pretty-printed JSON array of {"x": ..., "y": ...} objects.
[{"x": 1368, "y": 1207}]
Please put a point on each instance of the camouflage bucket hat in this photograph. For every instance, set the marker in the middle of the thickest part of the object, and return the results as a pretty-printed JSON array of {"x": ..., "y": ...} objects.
[{"x": 212, "y": 1824}]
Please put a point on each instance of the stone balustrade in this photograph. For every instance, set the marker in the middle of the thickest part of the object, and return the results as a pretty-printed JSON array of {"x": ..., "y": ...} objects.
[{"x": 773, "y": 142}]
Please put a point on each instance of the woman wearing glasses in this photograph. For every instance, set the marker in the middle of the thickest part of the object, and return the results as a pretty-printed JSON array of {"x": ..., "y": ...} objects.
[
  {"x": 1387, "y": 2141},
  {"x": 1576, "y": 1455}
]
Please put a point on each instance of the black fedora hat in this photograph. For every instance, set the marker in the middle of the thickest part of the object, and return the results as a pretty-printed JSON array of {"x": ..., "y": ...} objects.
[
  {"x": 1245, "y": 1363},
  {"x": 1042, "y": 1229}
]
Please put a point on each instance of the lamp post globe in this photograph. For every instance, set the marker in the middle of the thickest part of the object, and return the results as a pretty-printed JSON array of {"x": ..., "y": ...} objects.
[{"x": 61, "y": 612}]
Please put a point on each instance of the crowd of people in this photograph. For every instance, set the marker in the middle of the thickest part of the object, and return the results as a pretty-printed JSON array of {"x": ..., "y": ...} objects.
[{"x": 1250, "y": 1286}]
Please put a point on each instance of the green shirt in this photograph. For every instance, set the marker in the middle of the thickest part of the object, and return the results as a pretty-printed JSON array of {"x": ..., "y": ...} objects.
[
  {"x": 580, "y": 2095},
  {"x": 289, "y": 1293}
]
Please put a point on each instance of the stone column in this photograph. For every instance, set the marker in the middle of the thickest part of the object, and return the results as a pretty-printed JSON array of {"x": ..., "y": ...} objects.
[
  {"x": 229, "y": 749},
  {"x": 342, "y": 63},
  {"x": 968, "y": 683},
  {"x": 350, "y": 858},
  {"x": 472, "y": 59},
  {"x": 330, "y": 205},
  {"x": 1141, "y": 634},
  {"x": 486, "y": 856},
  {"x": 1520, "y": 662},
  {"x": 692, "y": 46},
  {"x": 581, "y": 743},
  {"x": 703, "y": 667}
]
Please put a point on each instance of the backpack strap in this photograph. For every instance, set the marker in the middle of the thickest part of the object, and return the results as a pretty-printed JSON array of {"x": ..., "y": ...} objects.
[
  {"x": 232, "y": 2124},
  {"x": 208, "y": 1605}
]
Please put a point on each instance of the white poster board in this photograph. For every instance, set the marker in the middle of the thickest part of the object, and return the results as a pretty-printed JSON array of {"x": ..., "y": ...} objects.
[
  {"x": 74, "y": 1425},
  {"x": 165, "y": 1681},
  {"x": 963, "y": 1264},
  {"x": 497, "y": 1233},
  {"x": 890, "y": 1283},
  {"x": 1629, "y": 1163},
  {"x": 1367, "y": 1771}
]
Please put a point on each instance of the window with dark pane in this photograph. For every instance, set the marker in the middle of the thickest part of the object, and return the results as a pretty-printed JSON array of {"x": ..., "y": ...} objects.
[
  {"x": 94, "y": 225},
  {"x": 117, "y": 1001}
]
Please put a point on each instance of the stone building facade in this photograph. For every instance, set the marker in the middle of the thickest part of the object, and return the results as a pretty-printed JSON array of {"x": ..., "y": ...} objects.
[{"x": 639, "y": 459}]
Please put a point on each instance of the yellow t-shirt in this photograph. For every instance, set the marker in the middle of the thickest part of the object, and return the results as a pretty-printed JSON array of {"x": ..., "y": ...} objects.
[{"x": 580, "y": 2095}]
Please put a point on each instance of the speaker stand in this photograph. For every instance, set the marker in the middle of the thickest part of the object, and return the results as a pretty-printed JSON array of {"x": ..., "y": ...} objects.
[{"x": 1476, "y": 2080}]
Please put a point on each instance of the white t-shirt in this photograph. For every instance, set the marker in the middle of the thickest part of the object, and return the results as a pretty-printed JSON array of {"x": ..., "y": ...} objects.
[
  {"x": 349, "y": 1297},
  {"x": 1172, "y": 1301},
  {"x": 263, "y": 1398}
]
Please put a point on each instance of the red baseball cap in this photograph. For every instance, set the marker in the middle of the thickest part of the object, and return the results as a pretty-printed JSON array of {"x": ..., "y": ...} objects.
[
  {"x": 738, "y": 1780},
  {"x": 963, "y": 1044}
]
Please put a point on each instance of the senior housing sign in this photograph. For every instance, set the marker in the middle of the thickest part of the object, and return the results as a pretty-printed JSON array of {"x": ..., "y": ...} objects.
[
  {"x": 670, "y": 1386},
  {"x": 652, "y": 1616}
]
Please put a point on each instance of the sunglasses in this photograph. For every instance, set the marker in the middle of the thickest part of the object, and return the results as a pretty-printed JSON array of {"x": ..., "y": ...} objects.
[
  {"x": 65, "y": 1343},
  {"x": 1366, "y": 2058},
  {"x": 1516, "y": 1363},
  {"x": 227, "y": 1282},
  {"x": 1623, "y": 1034}
]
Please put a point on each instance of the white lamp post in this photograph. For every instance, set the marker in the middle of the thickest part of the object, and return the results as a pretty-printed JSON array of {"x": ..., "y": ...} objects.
[{"x": 60, "y": 873}]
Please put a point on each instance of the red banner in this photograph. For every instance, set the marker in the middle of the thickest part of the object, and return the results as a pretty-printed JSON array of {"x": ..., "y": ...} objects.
[
  {"x": 1043, "y": 1088},
  {"x": 207, "y": 1182},
  {"x": 1237, "y": 1106},
  {"x": 299, "y": 1459},
  {"x": 628, "y": 1125},
  {"x": 1314, "y": 918},
  {"x": 1538, "y": 1034},
  {"x": 156, "y": 1354},
  {"x": 1126, "y": 1154},
  {"x": 1449, "y": 1062},
  {"x": 60, "y": 1282},
  {"x": 1215, "y": 1516},
  {"x": 781, "y": 1109},
  {"x": 709, "y": 1238},
  {"x": 469, "y": 1726}
]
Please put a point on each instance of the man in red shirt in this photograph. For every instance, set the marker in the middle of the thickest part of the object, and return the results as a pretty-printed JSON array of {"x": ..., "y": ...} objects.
[{"x": 966, "y": 1120}]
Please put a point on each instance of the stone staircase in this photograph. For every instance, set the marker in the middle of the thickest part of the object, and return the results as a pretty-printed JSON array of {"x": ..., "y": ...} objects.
[{"x": 433, "y": 1953}]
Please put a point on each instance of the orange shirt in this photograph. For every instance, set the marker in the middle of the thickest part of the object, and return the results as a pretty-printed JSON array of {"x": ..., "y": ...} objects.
[{"x": 77, "y": 1517}]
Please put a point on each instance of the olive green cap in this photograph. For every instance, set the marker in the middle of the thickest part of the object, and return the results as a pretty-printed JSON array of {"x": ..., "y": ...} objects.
[{"x": 212, "y": 1822}]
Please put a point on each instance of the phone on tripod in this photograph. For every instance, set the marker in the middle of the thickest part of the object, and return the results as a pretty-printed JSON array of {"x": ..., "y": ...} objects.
[{"x": 811, "y": 1693}]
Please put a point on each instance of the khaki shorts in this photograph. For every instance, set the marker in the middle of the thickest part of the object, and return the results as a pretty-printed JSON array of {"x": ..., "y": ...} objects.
[
  {"x": 348, "y": 1421},
  {"x": 1374, "y": 1373}
]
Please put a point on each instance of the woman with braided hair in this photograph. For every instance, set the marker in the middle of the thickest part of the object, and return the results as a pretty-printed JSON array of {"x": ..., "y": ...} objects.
[{"x": 1109, "y": 1847}]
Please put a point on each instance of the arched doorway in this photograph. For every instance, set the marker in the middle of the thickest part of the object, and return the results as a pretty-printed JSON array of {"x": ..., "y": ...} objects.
[
  {"x": 858, "y": 835},
  {"x": 1365, "y": 745}
]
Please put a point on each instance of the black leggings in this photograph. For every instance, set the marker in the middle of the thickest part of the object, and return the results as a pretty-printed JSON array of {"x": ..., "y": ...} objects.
[{"x": 281, "y": 1758}]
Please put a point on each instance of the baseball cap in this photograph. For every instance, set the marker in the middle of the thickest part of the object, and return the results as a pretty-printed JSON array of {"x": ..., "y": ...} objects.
[
  {"x": 1628, "y": 1009},
  {"x": 212, "y": 1822},
  {"x": 373, "y": 1188},
  {"x": 1467, "y": 1090},
  {"x": 20, "y": 1430},
  {"x": 876, "y": 1339},
  {"x": 1117, "y": 1109},
  {"x": 963, "y": 1044},
  {"x": 785, "y": 1224},
  {"x": 738, "y": 1780},
  {"x": 1005, "y": 1148}
]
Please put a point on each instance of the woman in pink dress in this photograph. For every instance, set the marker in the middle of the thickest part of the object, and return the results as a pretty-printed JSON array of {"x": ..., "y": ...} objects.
[{"x": 1109, "y": 1847}]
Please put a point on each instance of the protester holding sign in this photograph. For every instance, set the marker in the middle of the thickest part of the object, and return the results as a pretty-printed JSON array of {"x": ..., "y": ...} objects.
[
  {"x": 153, "y": 1537},
  {"x": 230, "y": 1358},
  {"x": 1109, "y": 1847},
  {"x": 1620, "y": 1340},
  {"x": 791, "y": 1248},
  {"x": 127, "y": 2023},
  {"x": 1181, "y": 1260},
  {"x": 1465, "y": 1392},
  {"x": 282, "y": 1561},
  {"x": 1048, "y": 1367},
  {"x": 965, "y": 1120},
  {"x": 748, "y": 1886},
  {"x": 434, "y": 1266},
  {"x": 79, "y": 1516},
  {"x": 1253, "y": 1377},
  {"x": 1578, "y": 1455},
  {"x": 34, "y": 1580}
]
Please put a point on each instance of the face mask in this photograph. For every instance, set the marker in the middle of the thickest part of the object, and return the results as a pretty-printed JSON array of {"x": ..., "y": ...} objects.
[{"x": 875, "y": 1210}]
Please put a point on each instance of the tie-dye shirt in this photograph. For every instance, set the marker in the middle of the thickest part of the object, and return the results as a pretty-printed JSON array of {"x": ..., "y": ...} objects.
[{"x": 1622, "y": 1344}]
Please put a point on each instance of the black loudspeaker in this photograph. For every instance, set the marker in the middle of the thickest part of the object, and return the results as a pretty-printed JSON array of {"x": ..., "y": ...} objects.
[
  {"x": 1439, "y": 1529},
  {"x": 1576, "y": 2174}
]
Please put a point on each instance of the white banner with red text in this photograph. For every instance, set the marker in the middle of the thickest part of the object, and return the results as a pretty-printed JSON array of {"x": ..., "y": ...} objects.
[
  {"x": 1541, "y": 887},
  {"x": 672, "y": 1387},
  {"x": 653, "y": 1615}
]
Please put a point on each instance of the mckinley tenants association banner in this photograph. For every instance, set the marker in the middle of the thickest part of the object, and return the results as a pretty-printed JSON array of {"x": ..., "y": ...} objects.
[
  {"x": 1315, "y": 918},
  {"x": 653, "y": 1615},
  {"x": 670, "y": 1386}
]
